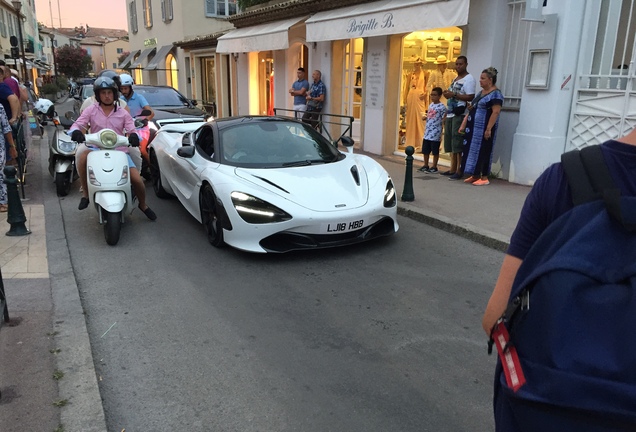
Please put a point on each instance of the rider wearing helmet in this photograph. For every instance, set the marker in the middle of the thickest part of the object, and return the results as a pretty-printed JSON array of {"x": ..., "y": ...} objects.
[
  {"x": 106, "y": 73},
  {"x": 136, "y": 102},
  {"x": 101, "y": 115}
]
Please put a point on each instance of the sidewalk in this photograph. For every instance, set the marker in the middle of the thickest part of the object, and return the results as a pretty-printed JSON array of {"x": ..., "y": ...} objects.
[{"x": 47, "y": 333}]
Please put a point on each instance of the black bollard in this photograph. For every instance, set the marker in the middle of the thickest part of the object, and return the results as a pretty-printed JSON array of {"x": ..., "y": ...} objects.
[
  {"x": 15, "y": 214},
  {"x": 407, "y": 193},
  {"x": 4, "y": 310}
]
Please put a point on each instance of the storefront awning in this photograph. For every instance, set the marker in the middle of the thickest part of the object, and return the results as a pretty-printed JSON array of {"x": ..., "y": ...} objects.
[
  {"x": 128, "y": 59},
  {"x": 263, "y": 37},
  {"x": 159, "y": 57},
  {"x": 145, "y": 53},
  {"x": 386, "y": 17}
]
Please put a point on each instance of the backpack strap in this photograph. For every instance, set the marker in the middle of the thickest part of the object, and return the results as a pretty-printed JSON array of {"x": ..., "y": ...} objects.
[
  {"x": 589, "y": 179},
  {"x": 578, "y": 180}
]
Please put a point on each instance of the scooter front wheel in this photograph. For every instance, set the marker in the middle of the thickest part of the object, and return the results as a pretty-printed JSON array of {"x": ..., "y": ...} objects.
[
  {"x": 63, "y": 183},
  {"x": 112, "y": 228}
]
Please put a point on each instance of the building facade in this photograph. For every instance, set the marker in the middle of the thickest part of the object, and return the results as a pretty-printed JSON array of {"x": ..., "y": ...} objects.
[{"x": 565, "y": 67}]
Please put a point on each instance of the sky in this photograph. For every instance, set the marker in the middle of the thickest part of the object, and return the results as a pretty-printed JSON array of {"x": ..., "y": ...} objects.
[{"x": 95, "y": 13}]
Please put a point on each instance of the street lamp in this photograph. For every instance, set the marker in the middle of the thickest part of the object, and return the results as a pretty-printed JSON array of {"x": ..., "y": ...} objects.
[
  {"x": 52, "y": 36},
  {"x": 17, "y": 5}
]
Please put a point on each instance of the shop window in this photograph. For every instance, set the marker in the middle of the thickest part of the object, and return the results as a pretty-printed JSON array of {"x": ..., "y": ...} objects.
[
  {"x": 428, "y": 60},
  {"x": 3, "y": 24},
  {"x": 220, "y": 7},
  {"x": 138, "y": 77},
  {"x": 353, "y": 73},
  {"x": 132, "y": 6},
  {"x": 208, "y": 72},
  {"x": 266, "y": 83},
  {"x": 172, "y": 76}
]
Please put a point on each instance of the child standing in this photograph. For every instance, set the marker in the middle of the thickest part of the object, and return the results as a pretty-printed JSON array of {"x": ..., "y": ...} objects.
[{"x": 433, "y": 136}]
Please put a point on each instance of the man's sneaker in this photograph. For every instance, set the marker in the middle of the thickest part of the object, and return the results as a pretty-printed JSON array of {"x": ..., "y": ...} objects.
[
  {"x": 433, "y": 170},
  {"x": 447, "y": 173},
  {"x": 455, "y": 176},
  {"x": 424, "y": 169}
]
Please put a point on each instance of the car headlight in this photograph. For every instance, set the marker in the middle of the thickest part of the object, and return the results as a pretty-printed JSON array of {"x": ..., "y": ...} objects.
[
  {"x": 256, "y": 211},
  {"x": 390, "y": 198}
]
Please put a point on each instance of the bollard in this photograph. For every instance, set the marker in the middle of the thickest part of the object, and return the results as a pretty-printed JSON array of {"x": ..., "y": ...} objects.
[
  {"x": 3, "y": 303},
  {"x": 407, "y": 193},
  {"x": 15, "y": 214}
]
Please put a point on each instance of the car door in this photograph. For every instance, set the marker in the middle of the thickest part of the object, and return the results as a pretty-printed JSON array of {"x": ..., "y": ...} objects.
[{"x": 187, "y": 170}]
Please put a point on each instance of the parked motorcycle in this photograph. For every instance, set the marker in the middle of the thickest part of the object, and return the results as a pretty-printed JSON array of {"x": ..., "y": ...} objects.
[
  {"x": 109, "y": 185},
  {"x": 62, "y": 157}
]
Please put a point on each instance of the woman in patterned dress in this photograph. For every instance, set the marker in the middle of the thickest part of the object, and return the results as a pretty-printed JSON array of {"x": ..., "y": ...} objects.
[{"x": 480, "y": 126}]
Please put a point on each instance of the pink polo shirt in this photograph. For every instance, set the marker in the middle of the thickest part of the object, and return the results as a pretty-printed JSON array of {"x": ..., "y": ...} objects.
[{"x": 118, "y": 120}]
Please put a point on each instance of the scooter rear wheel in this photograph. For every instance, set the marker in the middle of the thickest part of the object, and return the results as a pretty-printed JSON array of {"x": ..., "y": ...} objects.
[
  {"x": 112, "y": 228},
  {"x": 63, "y": 183}
]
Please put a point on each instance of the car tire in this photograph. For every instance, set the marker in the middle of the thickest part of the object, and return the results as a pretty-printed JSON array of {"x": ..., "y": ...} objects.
[
  {"x": 210, "y": 216},
  {"x": 155, "y": 174}
]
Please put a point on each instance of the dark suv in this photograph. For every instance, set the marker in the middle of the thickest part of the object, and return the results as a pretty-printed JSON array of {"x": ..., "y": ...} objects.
[{"x": 170, "y": 106}]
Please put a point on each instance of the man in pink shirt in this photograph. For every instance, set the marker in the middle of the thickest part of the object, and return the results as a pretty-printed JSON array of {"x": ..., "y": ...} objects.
[{"x": 102, "y": 115}]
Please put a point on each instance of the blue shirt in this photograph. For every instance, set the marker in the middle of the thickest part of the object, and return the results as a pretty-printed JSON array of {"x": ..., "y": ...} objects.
[
  {"x": 136, "y": 103},
  {"x": 550, "y": 196},
  {"x": 297, "y": 85},
  {"x": 316, "y": 90},
  {"x": 5, "y": 92}
]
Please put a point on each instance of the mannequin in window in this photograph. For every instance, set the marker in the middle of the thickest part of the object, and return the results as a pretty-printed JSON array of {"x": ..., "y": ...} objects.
[
  {"x": 416, "y": 103},
  {"x": 441, "y": 77}
]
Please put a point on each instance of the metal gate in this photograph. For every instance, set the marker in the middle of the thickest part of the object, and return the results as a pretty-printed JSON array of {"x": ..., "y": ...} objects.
[{"x": 604, "y": 105}]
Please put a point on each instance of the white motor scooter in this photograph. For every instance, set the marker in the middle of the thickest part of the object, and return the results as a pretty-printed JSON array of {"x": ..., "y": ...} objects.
[{"x": 109, "y": 185}]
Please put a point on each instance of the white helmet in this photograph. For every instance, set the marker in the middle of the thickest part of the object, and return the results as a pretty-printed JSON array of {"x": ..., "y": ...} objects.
[
  {"x": 126, "y": 80},
  {"x": 44, "y": 106}
]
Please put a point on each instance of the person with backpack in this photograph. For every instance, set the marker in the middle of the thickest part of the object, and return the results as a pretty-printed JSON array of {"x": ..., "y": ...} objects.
[{"x": 564, "y": 305}]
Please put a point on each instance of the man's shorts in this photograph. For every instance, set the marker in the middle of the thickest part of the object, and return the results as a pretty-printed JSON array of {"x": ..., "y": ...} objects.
[
  {"x": 429, "y": 147},
  {"x": 453, "y": 140}
]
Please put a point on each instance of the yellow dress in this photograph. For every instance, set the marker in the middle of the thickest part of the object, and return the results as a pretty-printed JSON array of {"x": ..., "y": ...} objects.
[{"x": 416, "y": 109}]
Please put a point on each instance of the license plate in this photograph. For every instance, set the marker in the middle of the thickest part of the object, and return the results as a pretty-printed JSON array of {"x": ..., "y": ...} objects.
[{"x": 341, "y": 227}]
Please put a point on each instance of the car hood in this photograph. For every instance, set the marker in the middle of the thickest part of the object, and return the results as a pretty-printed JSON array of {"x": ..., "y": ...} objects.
[{"x": 334, "y": 186}]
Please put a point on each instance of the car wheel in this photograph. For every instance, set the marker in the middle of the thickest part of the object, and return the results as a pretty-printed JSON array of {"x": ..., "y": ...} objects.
[
  {"x": 210, "y": 216},
  {"x": 155, "y": 174}
]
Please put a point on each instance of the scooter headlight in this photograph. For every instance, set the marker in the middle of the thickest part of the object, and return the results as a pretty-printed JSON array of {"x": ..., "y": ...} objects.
[
  {"x": 108, "y": 139},
  {"x": 66, "y": 147}
]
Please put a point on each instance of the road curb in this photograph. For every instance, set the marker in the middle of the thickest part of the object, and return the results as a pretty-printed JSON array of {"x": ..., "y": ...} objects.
[{"x": 468, "y": 231}]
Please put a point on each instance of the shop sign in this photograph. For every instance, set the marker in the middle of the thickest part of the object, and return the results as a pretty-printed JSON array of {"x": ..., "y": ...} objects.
[
  {"x": 150, "y": 42},
  {"x": 358, "y": 28}
]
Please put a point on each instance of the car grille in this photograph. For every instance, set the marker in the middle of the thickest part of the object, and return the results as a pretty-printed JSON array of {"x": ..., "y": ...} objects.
[{"x": 288, "y": 241}]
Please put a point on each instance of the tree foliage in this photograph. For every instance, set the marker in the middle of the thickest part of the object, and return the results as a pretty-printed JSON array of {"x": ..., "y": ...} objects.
[
  {"x": 122, "y": 57},
  {"x": 73, "y": 61},
  {"x": 244, "y": 4}
]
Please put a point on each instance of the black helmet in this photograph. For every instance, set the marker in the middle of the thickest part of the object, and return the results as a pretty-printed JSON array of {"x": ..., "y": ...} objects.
[
  {"x": 109, "y": 73},
  {"x": 103, "y": 83}
]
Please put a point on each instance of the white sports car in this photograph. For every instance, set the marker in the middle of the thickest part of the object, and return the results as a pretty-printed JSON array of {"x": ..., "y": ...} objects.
[{"x": 271, "y": 184}]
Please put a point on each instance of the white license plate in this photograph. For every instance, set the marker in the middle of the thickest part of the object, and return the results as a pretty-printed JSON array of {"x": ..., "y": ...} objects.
[{"x": 342, "y": 227}]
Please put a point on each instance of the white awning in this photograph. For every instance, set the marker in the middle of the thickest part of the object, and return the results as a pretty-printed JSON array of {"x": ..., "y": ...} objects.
[
  {"x": 159, "y": 57},
  {"x": 128, "y": 60},
  {"x": 262, "y": 37},
  {"x": 145, "y": 53},
  {"x": 385, "y": 17}
]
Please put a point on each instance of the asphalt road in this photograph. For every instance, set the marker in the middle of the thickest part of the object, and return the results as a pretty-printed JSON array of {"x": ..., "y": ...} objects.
[{"x": 383, "y": 336}]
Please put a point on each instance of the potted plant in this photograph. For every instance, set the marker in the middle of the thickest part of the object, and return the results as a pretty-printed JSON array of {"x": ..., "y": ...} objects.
[{"x": 49, "y": 91}]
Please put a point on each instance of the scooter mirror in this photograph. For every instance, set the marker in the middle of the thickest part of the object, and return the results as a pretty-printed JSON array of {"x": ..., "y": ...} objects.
[{"x": 70, "y": 115}]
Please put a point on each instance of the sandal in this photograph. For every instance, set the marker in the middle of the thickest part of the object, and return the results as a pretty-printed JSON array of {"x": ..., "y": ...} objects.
[{"x": 4, "y": 208}]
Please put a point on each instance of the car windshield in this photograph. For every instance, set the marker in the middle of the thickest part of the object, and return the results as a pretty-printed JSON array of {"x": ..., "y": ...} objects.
[
  {"x": 275, "y": 144},
  {"x": 162, "y": 96},
  {"x": 87, "y": 91}
]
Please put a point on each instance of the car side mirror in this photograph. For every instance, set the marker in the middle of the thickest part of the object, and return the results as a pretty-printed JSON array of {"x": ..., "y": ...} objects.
[
  {"x": 194, "y": 102},
  {"x": 347, "y": 142},
  {"x": 187, "y": 139},
  {"x": 186, "y": 152}
]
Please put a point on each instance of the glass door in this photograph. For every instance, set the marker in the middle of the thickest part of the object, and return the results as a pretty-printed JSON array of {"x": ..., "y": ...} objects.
[{"x": 353, "y": 83}]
